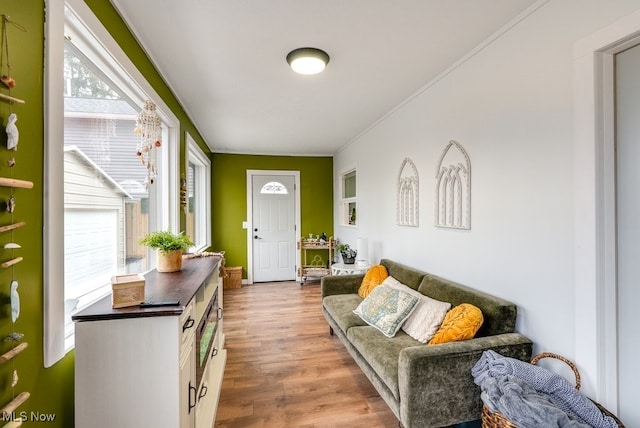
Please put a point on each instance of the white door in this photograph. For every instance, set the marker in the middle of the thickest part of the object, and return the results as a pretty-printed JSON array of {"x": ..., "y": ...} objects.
[
  {"x": 628, "y": 231},
  {"x": 274, "y": 228}
]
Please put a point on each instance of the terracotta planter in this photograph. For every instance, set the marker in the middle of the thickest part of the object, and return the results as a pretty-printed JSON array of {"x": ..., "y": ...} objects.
[{"x": 170, "y": 262}]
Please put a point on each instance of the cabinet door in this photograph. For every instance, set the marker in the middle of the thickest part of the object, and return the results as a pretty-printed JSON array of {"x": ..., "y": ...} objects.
[{"x": 188, "y": 388}]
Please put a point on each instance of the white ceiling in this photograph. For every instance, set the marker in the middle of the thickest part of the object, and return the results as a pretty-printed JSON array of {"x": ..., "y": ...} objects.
[{"x": 225, "y": 62}]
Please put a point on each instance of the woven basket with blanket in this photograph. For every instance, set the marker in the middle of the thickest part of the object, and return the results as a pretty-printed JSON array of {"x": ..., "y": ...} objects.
[{"x": 516, "y": 394}]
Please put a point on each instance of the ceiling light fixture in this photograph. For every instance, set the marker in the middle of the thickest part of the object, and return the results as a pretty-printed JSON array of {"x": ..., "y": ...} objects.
[{"x": 307, "y": 60}]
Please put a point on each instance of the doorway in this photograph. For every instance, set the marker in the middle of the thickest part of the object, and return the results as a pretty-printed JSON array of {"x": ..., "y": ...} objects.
[
  {"x": 273, "y": 211},
  {"x": 598, "y": 333},
  {"x": 627, "y": 83}
]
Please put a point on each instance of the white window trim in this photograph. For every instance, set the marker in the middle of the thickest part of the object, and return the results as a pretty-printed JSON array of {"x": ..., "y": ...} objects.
[
  {"x": 53, "y": 230},
  {"x": 196, "y": 156}
]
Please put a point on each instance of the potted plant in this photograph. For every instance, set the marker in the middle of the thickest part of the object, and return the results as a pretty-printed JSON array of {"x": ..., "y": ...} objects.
[
  {"x": 348, "y": 253},
  {"x": 170, "y": 247}
]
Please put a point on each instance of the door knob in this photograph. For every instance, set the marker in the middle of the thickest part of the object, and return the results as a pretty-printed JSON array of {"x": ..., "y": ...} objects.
[{"x": 256, "y": 237}]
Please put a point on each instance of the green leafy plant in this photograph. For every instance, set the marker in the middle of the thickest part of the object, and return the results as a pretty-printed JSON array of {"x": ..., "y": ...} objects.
[
  {"x": 346, "y": 251},
  {"x": 165, "y": 241}
]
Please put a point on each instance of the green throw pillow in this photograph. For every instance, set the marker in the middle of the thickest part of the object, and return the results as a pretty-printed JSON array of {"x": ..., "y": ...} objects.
[{"x": 386, "y": 308}]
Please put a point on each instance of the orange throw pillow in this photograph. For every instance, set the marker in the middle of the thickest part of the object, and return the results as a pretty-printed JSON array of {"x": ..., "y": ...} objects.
[
  {"x": 374, "y": 277},
  {"x": 461, "y": 323}
]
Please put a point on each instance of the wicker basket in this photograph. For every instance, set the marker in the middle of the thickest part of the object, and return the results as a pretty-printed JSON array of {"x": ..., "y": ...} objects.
[
  {"x": 492, "y": 419},
  {"x": 232, "y": 277}
]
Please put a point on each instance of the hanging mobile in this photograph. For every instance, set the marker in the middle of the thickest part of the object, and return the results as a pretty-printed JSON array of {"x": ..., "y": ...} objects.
[{"x": 149, "y": 129}]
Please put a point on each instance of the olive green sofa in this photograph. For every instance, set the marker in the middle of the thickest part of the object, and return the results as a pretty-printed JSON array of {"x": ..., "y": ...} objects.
[{"x": 424, "y": 385}]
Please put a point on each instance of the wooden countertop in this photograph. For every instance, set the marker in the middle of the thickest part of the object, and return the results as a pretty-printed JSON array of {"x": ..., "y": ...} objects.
[{"x": 181, "y": 285}]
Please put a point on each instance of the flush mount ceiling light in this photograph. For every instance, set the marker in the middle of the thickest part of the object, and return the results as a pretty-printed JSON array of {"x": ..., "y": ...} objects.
[{"x": 307, "y": 60}]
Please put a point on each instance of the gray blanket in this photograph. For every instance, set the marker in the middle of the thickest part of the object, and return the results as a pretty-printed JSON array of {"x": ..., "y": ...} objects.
[
  {"x": 523, "y": 405},
  {"x": 558, "y": 389}
]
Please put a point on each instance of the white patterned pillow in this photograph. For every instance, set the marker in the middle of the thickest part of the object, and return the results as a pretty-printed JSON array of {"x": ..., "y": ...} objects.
[
  {"x": 426, "y": 318},
  {"x": 386, "y": 308}
]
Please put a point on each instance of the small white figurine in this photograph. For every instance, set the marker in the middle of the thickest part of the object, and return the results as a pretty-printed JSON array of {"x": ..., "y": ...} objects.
[
  {"x": 15, "y": 301},
  {"x": 12, "y": 132}
]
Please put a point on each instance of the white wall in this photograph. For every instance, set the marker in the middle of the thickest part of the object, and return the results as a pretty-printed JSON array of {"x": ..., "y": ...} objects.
[{"x": 511, "y": 106}]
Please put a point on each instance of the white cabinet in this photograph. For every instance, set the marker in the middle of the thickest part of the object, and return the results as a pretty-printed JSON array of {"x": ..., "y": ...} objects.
[{"x": 149, "y": 367}]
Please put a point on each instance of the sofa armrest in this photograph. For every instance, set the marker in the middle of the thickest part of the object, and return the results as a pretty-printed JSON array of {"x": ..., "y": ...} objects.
[
  {"x": 340, "y": 284},
  {"x": 441, "y": 376}
]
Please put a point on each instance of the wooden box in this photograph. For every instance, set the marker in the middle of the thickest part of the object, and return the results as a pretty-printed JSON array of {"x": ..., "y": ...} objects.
[
  {"x": 233, "y": 277},
  {"x": 127, "y": 290}
]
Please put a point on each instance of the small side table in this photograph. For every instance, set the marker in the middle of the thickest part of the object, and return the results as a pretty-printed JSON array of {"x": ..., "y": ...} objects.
[{"x": 351, "y": 269}]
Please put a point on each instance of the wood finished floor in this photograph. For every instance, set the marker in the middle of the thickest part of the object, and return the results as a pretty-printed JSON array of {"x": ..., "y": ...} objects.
[{"x": 285, "y": 370}]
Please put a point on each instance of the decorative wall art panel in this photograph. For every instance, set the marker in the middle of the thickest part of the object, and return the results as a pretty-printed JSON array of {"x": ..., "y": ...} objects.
[
  {"x": 453, "y": 188},
  {"x": 408, "y": 209}
]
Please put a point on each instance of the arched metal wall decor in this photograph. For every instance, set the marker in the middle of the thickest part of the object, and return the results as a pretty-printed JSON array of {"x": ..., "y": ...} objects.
[
  {"x": 408, "y": 208},
  {"x": 453, "y": 188}
]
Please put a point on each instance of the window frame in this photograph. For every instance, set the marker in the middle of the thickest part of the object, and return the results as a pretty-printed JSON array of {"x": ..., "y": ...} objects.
[
  {"x": 138, "y": 89},
  {"x": 202, "y": 175}
]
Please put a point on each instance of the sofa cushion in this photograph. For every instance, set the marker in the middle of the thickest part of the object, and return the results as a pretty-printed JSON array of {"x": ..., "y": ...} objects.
[
  {"x": 460, "y": 323},
  {"x": 374, "y": 277},
  {"x": 381, "y": 352},
  {"x": 407, "y": 275},
  {"x": 386, "y": 308},
  {"x": 499, "y": 315},
  {"x": 340, "y": 307},
  {"x": 426, "y": 318}
]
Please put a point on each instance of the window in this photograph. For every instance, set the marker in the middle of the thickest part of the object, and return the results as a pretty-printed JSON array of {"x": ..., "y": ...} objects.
[
  {"x": 274, "y": 188},
  {"x": 349, "y": 203},
  {"x": 198, "y": 211},
  {"x": 97, "y": 203}
]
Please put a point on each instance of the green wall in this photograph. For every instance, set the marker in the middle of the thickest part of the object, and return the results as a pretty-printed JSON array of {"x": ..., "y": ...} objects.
[
  {"x": 229, "y": 198},
  {"x": 51, "y": 389},
  {"x": 26, "y": 53}
]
